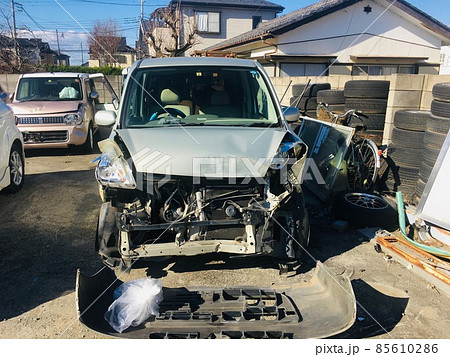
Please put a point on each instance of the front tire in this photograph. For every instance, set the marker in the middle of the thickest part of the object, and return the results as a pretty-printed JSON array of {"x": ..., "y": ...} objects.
[
  {"x": 16, "y": 169},
  {"x": 88, "y": 145}
]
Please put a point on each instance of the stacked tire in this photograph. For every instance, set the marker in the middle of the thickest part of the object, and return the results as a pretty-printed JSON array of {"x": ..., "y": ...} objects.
[
  {"x": 438, "y": 125},
  {"x": 406, "y": 151},
  {"x": 336, "y": 102},
  {"x": 307, "y": 104},
  {"x": 370, "y": 98}
]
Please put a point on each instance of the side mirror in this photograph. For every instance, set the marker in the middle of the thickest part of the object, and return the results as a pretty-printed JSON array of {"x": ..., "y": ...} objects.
[
  {"x": 94, "y": 95},
  {"x": 105, "y": 117},
  {"x": 291, "y": 114},
  {"x": 11, "y": 96}
]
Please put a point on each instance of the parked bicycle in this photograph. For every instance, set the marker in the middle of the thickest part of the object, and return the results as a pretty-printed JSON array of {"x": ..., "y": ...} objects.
[{"x": 362, "y": 158}]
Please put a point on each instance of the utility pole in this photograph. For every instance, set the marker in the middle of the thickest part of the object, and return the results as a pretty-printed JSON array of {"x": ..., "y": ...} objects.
[
  {"x": 82, "y": 59},
  {"x": 14, "y": 34},
  {"x": 141, "y": 34},
  {"x": 59, "y": 51}
]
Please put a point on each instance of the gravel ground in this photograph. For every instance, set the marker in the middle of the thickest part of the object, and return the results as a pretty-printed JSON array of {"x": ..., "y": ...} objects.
[{"x": 47, "y": 233}]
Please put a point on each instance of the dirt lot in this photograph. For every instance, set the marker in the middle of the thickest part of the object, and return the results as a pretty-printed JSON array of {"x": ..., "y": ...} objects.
[{"x": 47, "y": 232}]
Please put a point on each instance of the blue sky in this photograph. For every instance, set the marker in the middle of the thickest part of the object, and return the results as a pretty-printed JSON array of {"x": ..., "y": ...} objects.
[{"x": 44, "y": 17}]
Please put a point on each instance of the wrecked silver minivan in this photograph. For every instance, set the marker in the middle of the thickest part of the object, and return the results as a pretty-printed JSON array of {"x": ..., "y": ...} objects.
[{"x": 201, "y": 160}]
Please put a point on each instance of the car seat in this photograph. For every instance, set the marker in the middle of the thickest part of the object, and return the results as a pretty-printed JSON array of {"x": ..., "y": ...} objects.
[
  {"x": 170, "y": 99},
  {"x": 220, "y": 106}
]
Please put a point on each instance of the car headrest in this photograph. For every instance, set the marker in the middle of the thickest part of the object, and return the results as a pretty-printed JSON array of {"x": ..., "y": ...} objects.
[{"x": 169, "y": 97}]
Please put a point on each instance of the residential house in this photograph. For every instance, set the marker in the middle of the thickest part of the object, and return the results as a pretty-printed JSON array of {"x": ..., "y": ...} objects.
[
  {"x": 32, "y": 51},
  {"x": 125, "y": 56},
  {"x": 213, "y": 21},
  {"x": 357, "y": 37}
]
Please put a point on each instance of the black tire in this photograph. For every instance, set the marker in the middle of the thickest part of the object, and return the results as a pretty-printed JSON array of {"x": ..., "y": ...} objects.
[
  {"x": 293, "y": 101},
  {"x": 366, "y": 89},
  {"x": 425, "y": 171},
  {"x": 413, "y": 120},
  {"x": 408, "y": 190},
  {"x": 367, "y": 105},
  {"x": 331, "y": 96},
  {"x": 337, "y": 108},
  {"x": 438, "y": 124},
  {"x": 404, "y": 175},
  {"x": 403, "y": 156},
  {"x": 363, "y": 209},
  {"x": 16, "y": 169},
  {"x": 430, "y": 155},
  {"x": 372, "y": 122},
  {"x": 309, "y": 103},
  {"x": 311, "y": 91},
  {"x": 441, "y": 91},
  {"x": 433, "y": 139},
  {"x": 89, "y": 144},
  {"x": 406, "y": 138},
  {"x": 440, "y": 109},
  {"x": 311, "y": 113},
  {"x": 296, "y": 237},
  {"x": 107, "y": 235},
  {"x": 420, "y": 187}
]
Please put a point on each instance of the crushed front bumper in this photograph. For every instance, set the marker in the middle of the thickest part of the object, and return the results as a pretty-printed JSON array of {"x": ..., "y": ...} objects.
[{"x": 322, "y": 307}]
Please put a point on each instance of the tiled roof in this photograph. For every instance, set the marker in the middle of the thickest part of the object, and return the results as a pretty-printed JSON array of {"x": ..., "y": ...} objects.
[
  {"x": 310, "y": 13},
  {"x": 261, "y": 4}
]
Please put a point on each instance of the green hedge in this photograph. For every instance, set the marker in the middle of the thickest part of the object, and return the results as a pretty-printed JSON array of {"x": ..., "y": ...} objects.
[{"x": 81, "y": 69}]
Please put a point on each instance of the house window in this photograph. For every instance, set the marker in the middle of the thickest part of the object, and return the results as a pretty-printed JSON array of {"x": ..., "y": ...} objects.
[
  {"x": 120, "y": 58},
  {"x": 208, "y": 22},
  {"x": 382, "y": 70},
  {"x": 256, "y": 20}
]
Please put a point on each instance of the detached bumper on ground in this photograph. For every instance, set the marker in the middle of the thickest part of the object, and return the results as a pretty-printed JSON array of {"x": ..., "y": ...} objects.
[{"x": 322, "y": 307}]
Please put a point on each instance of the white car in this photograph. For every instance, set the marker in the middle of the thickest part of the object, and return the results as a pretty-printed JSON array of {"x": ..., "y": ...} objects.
[
  {"x": 201, "y": 160},
  {"x": 12, "y": 163}
]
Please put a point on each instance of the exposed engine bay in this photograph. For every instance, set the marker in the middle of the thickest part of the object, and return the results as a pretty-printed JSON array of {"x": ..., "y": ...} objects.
[{"x": 190, "y": 216}]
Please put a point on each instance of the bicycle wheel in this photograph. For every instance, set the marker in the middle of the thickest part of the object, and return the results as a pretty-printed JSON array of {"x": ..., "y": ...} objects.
[{"x": 362, "y": 165}]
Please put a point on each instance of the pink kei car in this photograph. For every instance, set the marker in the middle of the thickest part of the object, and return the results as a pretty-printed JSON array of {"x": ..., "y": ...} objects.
[{"x": 56, "y": 110}]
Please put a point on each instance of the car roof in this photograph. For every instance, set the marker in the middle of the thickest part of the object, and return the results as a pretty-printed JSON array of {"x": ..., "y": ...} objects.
[
  {"x": 55, "y": 74},
  {"x": 195, "y": 61}
]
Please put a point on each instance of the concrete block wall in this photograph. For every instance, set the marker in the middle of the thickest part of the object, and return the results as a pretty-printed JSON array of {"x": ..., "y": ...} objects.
[
  {"x": 406, "y": 91},
  {"x": 9, "y": 82}
]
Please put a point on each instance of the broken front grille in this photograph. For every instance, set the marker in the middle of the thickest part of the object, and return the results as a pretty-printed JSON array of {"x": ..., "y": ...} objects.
[
  {"x": 41, "y": 120},
  {"x": 46, "y": 136}
]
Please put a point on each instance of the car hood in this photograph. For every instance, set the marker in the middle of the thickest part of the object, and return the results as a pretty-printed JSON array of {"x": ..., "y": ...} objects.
[
  {"x": 213, "y": 152},
  {"x": 44, "y": 107}
]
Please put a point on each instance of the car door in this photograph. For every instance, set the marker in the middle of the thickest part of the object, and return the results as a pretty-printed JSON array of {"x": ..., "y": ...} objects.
[
  {"x": 107, "y": 100},
  {"x": 4, "y": 142}
]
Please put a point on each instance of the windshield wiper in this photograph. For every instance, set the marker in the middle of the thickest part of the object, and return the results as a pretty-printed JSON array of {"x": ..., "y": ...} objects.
[
  {"x": 183, "y": 124},
  {"x": 259, "y": 125}
]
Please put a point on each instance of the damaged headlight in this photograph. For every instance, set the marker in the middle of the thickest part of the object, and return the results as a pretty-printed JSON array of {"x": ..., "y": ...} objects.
[
  {"x": 282, "y": 155},
  {"x": 73, "y": 119},
  {"x": 112, "y": 169}
]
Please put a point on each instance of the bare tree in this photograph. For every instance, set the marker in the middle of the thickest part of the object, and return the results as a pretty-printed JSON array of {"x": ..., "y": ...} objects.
[
  {"x": 167, "y": 34},
  {"x": 104, "y": 41},
  {"x": 26, "y": 59}
]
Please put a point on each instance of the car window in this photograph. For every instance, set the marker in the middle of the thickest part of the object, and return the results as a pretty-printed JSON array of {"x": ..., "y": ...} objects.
[
  {"x": 105, "y": 95},
  {"x": 49, "y": 89},
  {"x": 205, "y": 95}
]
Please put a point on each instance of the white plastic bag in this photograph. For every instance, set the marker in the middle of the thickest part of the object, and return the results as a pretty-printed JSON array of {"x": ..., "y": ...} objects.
[{"x": 134, "y": 302}]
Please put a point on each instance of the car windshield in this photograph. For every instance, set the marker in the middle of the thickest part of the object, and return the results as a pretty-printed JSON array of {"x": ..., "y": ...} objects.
[
  {"x": 203, "y": 95},
  {"x": 49, "y": 89}
]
